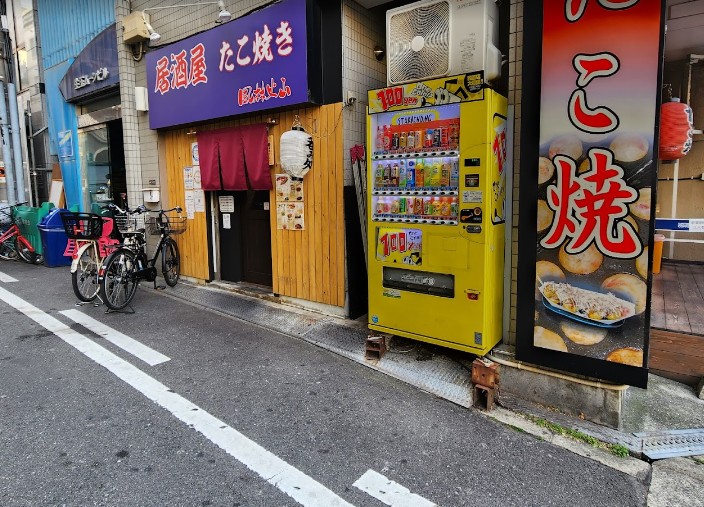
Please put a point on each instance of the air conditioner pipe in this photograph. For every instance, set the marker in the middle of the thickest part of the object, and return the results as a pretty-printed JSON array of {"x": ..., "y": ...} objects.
[{"x": 6, "y": 155}]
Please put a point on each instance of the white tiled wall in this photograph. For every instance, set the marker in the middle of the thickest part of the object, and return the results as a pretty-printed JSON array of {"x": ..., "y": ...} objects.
[{"x": 361, "y": 31}]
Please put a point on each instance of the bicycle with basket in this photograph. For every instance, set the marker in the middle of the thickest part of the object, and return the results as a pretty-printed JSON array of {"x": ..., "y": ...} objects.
[
  {"x": 91, "y": 238},
  {"x": 12, "y": 241},
  {"x": 128, "y": 264}
]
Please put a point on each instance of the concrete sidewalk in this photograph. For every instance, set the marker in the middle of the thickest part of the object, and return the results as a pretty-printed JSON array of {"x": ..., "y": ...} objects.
[{"x": 664, "y": 406}]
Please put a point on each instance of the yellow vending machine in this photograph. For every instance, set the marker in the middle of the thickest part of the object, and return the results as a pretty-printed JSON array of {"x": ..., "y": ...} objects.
[{"x": 437, "y": 186}]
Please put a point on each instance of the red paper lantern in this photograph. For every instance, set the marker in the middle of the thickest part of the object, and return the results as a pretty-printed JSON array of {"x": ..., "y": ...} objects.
[{"x": 676, "y": 127}]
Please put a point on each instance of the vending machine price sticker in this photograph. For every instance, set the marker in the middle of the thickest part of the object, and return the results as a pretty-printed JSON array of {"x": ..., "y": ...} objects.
[{"x": 472, "y": 196}]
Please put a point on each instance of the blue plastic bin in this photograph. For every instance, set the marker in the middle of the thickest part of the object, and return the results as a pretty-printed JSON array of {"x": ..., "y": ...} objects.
[{"x": 54, "y": 239}]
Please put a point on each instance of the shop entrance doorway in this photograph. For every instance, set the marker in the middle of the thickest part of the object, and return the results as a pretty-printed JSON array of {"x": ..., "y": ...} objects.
[{"x": 245, "y": 237}]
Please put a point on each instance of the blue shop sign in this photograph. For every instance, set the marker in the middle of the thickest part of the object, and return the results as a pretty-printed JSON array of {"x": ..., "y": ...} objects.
[{"x": 95, "y": 69}]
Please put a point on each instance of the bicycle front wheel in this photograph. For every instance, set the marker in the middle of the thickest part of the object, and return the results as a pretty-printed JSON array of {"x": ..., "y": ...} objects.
[
  {"x": 118, "y": 283},
  {"x": 8, "y": 251},
  {"x": 171, "y": 263},
  {"x": 85, "y": 278},
  {"x": 24, "y": 252}
]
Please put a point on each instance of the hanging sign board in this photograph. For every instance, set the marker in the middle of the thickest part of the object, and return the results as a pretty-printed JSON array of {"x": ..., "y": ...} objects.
[
  {"x": 255, "y": 62},
  {"x": 590, "y": 170}
]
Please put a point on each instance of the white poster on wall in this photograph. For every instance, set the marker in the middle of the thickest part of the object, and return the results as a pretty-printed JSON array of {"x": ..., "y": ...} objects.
[
  {"x": 199, "y": 201},
  {"x": 190, "y": 204},
  {"x": 196, "y": 177},
  {"x": 227, "y": 203},
  {"x": 226, "y": 221},
  {"x": 195, "y": 158},
  {"x": 188, "y": 178}
]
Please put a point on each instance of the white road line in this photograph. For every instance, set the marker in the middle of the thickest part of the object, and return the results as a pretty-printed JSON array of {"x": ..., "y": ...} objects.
[
  {"x": 6, "y": 278},
  {"x": 291, "y": 481},
  {"x": 137, "y": 349},
  {"x": 389, "y": 492}
]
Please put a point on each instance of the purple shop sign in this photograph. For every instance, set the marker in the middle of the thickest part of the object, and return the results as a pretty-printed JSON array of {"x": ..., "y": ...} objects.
[{"x": 252, "y": 63}]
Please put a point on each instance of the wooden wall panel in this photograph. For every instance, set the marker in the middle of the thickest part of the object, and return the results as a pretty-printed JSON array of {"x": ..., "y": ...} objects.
[
  {"x": 193, "y": 243},
  {"x": 308, "y": 264}
]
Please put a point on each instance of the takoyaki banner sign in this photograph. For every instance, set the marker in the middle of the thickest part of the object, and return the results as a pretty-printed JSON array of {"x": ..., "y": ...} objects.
[{"x": 596, "y": 166}]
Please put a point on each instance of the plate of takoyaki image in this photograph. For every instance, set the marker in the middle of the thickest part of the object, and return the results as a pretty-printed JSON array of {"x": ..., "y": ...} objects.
[{"x": 586, "y": 306}]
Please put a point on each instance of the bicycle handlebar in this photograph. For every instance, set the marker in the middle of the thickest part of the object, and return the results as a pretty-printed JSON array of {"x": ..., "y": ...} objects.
[{"x": 138, "y": 210}]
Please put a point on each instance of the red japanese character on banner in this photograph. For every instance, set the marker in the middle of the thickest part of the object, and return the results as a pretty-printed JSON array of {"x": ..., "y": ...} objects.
[
  {"x": 591, "y": 207},
  {"x": 285, "y": 90},
  {"x": 262, "y": 46},
  {"x": 179, "y": 75},
  {"x": 284, "y": 40},
  {"x": 225, "y": 53},
  {"x": 244, "y": 96},
  {"x": 198, "y": 66},
  {"x": 163, "y": 73},
  {"x": 498, "y": 147},
  {"x": 596, "y": 65},
  {"x": 599, "y": 120},
  {"x": 574, "y": 9},
  {"x": 242, "y": 61},
  {"x": 271, "y": 89},
  {"x": 259, "y": 93}
]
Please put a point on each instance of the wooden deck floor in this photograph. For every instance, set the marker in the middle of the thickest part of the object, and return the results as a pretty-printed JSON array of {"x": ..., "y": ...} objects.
[
  {"x": 677, "y": 299},
  {"x": 677, "y": 322}
]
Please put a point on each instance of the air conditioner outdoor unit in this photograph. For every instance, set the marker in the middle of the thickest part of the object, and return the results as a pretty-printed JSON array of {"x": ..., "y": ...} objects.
[{"x": 436, "y": 38}]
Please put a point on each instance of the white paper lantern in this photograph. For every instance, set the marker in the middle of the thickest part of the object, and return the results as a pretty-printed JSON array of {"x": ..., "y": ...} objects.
[{"x": 296, "y": 152}]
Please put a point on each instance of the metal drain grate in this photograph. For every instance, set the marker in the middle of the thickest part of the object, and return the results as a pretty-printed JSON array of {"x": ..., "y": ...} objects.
[{"x": 672, "y": 443}]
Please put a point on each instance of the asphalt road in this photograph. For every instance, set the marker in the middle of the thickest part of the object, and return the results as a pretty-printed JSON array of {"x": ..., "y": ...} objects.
[{"x": 230, "y": 414}]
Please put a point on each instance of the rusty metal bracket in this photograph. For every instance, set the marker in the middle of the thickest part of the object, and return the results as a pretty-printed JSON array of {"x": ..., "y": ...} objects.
[
  {"x": 375, "y": 347},
  {"x": 485, "y": 383}
]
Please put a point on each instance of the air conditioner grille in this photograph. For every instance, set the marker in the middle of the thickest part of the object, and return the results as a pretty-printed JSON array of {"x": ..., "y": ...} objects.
[{"x": 420, "y": 44}]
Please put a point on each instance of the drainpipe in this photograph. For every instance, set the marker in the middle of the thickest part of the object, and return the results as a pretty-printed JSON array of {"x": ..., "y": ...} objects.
[
  {"x": 16, "y": 144},
  {"x": 6, "y": 156}
]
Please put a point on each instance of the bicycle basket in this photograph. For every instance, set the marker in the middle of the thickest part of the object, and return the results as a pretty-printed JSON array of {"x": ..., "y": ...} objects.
[
  {"x": 167, "y": 223},
  {"x": 126, "y": 223},
  {"x": 82, "y": 225}
]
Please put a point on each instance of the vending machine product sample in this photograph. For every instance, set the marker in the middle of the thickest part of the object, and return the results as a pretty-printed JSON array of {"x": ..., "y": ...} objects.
[{"x": 436, "y": 221}]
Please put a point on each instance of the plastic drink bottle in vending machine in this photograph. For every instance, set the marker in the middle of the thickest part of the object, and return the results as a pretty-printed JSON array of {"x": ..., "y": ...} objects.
[
  {"x": 454, "y": 172},
  {"x": 444, "y": 173},
  {"x": 410, "y": 141},
  {"x": 402, "y": 141},
  {"x": 387, "y": 139},
  {"x": 387, "y": 175},
  {"x": 429, "y": 137},
  {"x": 379, "y": 175},
  {"x": 411, "y": 174},
  {"x": 379, "y": 142},
  {"x": 402, "y": 174},
  {"x": 394, "y": 141},
  {"x": 420, "y": 173},
  {"x": 419, "y": 140},
  {"x": 394, "y": 175}
]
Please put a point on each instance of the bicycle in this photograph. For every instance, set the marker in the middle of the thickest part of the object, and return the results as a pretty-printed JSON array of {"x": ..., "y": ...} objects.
[
  {"x": 89, "y": 243},
  {"x": 13, "y": 243},
  {"x": 125, "y": 267}
]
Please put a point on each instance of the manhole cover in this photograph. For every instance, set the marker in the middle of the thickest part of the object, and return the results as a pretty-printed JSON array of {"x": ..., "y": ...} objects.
[{"x": 672, "y": 443}]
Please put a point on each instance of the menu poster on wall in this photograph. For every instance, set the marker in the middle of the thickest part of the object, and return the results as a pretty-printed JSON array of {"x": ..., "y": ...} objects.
[
  {"x": 289, "y": 216},
  {"x": 593, "y": 158},
  {"x": 188, "y": 178},
  {"x": 288, "y": 189},
  {"x": 190, "y": 205}
]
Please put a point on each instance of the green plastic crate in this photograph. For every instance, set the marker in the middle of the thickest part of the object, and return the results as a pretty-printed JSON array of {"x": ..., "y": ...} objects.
[{"x": 28, "y": 218}]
